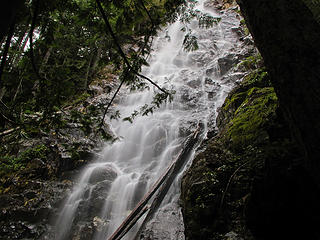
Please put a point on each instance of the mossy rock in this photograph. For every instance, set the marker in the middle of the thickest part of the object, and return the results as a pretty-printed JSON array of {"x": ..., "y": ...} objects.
[
  {"x": 11, "y": 164},
  {"x": 252, "y": 117}
]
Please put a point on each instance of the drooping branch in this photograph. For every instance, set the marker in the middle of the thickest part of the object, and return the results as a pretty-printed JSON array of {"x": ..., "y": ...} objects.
[
  {"x": 148, "y": 79},
  {"x": 153, "y": 26},
  {"x": 110, "y": 31},
  {"x": 112, "y": 99},
  {"x": 121, "y": 52}
]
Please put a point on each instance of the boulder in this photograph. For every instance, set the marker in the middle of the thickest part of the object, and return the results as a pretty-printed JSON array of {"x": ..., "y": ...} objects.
[{"x": 103, "y": 173}]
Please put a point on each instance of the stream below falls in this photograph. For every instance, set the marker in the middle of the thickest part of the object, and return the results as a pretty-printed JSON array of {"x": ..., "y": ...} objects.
[{"x": 110, "y": 187}]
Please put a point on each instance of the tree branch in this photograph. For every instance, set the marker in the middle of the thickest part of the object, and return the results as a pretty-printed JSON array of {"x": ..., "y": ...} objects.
[
  {"x": 109, "y": 104},
  {"x": 122, "y": 54},
  {"x": 146, "y": 10},
  {"x": 8, "y": 119},
  {"x": 115, "y": 40},
  {"x": 9, "y": 131},
  {"x": 229, "y": 183},
  {"x": 152, "y": 82}
]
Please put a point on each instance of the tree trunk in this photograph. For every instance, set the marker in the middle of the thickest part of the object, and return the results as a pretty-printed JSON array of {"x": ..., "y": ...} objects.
[
  {"x": 5, "y": 51},
  {"x": 287, "y": 36},
  {"x": 8, "y": 13}
]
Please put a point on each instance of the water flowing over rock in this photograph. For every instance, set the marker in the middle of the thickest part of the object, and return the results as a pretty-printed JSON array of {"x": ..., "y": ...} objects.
[{"x": 107, "y": 189}]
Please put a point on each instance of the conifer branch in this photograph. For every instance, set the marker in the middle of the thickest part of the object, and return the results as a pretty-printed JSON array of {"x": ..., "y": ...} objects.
[
  {"x": 122, "y": 54},
  {"x": 146, "y": 10}
]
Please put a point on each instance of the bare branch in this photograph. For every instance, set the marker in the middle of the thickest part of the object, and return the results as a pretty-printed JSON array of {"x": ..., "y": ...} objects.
[
  {"x": 152, "y": 82},
  {"x": 112, "y": 99},
  {"x": 229, "y": 183},
  {"x": 8, "y": 119},
  {"x": 9, "y": 131}
]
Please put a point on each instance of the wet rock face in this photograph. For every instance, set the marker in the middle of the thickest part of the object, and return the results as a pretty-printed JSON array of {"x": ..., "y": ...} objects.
[
  {"x": 171, "y": 228},
  {"x": 287, "y": 36},
  {"x": 26, "y": 211},
  {"x": 102, "y": 174}
]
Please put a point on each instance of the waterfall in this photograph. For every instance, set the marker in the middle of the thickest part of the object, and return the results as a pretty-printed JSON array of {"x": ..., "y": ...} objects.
[{"x": 107, "y": 189}]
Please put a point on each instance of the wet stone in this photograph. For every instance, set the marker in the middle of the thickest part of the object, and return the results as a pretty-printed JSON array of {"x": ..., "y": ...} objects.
[
  {"x": 227, "y": 62},
  {"x": 103, "y": 173}
]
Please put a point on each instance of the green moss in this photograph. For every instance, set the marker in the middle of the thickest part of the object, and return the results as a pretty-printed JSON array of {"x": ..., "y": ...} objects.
[
  {"x": 10, "y": 164},
  {"x": 234, "y": 100},
  {"x": 244, "y": 26},
  {"x": 258, "y": 78},
  {"x": 251, "y": 62},
  {"x": 80, "y": 98},
  {"x": 248, "y": 124}
]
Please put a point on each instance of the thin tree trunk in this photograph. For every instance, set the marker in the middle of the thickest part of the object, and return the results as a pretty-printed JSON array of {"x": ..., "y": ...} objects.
[
  {"x": 85, "y": 84},
  {"x": 15, "y": 53},
  {"x": 6, "y": 50},
  {"x": 33, "y": 23},
  {"x": 95, "y": 61},
  {"x": 17, "y": 91},
  {"x": 45, "y": 59}
]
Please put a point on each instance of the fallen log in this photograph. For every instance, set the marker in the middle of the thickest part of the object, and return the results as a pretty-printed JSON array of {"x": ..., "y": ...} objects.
[
  {"x": 9, "y": 131},
  {"x": 180, "y": 162},
  {"x": 169, "y": 174},
  {"x": 133, "y": 222},
  {"x": 140, "y": 205}
]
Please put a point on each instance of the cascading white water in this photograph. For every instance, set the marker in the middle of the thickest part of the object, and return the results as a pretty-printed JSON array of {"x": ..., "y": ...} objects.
[{"x": 110, "y": 187}]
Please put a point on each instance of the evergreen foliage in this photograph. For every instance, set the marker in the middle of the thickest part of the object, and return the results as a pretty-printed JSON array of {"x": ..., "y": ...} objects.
[{"x": 56, "y": 48}]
